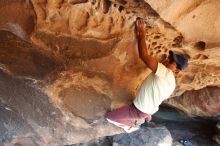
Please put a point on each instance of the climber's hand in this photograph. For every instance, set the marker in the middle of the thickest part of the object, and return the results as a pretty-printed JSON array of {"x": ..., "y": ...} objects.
[{"x": 140, "y": 27}]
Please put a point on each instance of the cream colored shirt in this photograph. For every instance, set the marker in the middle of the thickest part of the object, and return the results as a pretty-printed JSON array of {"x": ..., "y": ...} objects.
[{"x": 155, "y": 88}]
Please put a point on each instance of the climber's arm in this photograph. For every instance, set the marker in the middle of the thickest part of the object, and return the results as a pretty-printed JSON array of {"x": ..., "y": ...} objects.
[{"x": 149, "y": 60}]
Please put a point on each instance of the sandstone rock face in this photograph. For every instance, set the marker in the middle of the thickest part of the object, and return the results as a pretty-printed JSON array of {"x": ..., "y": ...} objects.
[
  {"x": 198, "y": 21},
  {"x": 104, "y": 32},
  {"x": 203, "y": 102},
  {"x": 27, "y": 115},
  {"x": 18, "y": 17},
  {"x": 81, "y": 55},
  {"x": 97, "y": 41}
]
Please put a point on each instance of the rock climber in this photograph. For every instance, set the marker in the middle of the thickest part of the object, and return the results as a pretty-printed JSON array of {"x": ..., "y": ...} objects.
[{"x": 158, "y": 86}]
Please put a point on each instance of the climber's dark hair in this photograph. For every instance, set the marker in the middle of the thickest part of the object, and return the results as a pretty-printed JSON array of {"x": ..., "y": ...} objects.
[{"x": 181, "y": 60}]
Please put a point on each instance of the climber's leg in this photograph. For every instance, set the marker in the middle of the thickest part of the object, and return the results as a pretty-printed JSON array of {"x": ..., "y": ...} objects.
[{"x": 127, "y": 115}]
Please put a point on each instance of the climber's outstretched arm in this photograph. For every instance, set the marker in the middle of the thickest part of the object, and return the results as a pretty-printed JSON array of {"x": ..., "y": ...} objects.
[{"x": 149, "y": 60}]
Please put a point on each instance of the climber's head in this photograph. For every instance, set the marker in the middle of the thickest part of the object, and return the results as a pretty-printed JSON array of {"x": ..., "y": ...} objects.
[{"x": 176, "y": 62}]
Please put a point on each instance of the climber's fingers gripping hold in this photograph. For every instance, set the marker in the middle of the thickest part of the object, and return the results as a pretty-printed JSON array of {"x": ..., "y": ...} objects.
[{"x": 140, "y": 26}]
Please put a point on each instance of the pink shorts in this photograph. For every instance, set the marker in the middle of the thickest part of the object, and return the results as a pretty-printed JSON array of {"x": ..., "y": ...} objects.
[{"x": 127, "y": 115}]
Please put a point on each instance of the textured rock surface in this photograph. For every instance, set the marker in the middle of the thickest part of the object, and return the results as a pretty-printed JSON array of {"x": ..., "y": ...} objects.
[
  {"x": 81, "y": 56},
  {"x": 199, "y": 22},
  {"x": 103, "y": 31},
  {"x": 18, "y": 17},
  {"x": 143, "y": 137},
  {"x": 28, "y": 115},
  {"x": 97, "y": 42}
]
